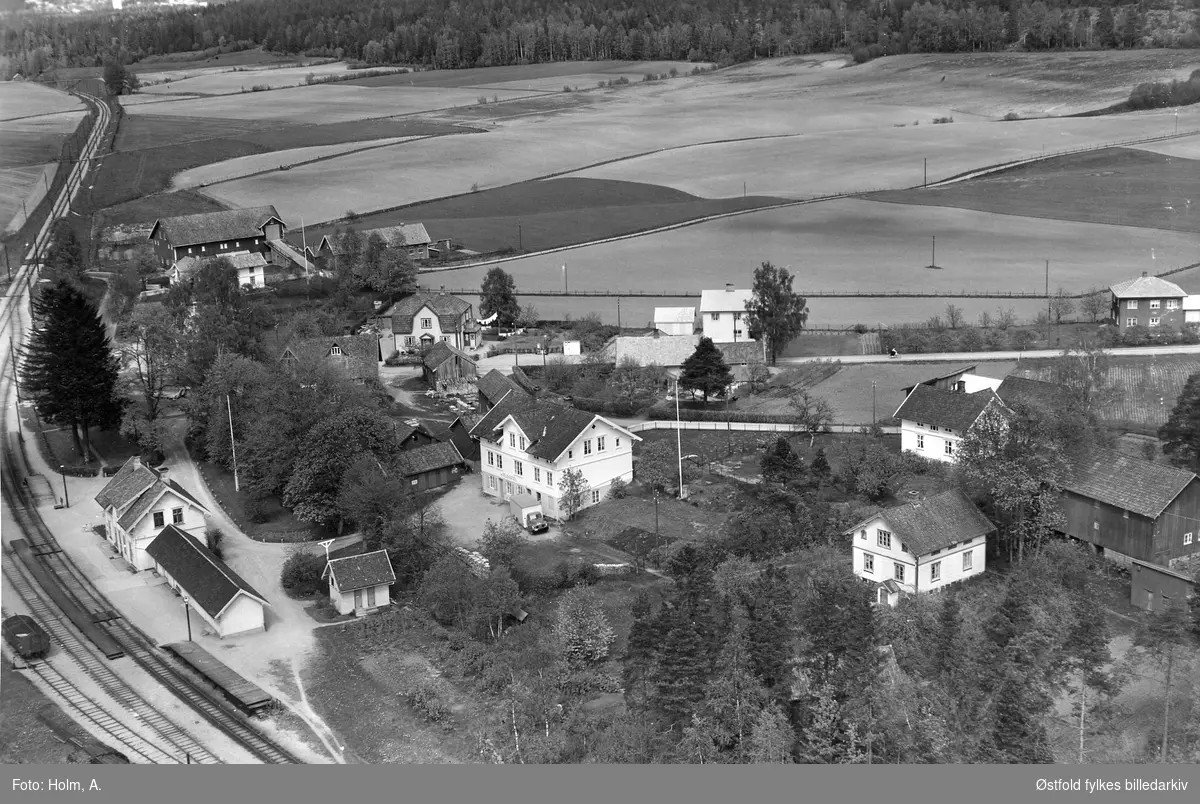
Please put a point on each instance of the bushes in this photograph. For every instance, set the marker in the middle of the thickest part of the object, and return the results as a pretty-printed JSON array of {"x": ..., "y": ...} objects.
[
  {"x": 213, "y": 538},
  {"x": 614, "y": 407},
  {"x": 301, "y": 575},
  {"x": 255, "y": 508},
  {"x": 1012, "y": 116},
  {"x": 943, "y": 120},
  {"x": 617, "y": 489},
  {"x": 1159, "y": 95}
]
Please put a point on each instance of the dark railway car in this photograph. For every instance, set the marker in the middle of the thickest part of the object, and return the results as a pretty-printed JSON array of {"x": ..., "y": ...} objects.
[
  {"x": 26, "y": 637},
  {"x": 85, "y": 622}
]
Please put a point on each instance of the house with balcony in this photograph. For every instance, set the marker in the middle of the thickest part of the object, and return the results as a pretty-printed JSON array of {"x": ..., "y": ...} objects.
[
  {"x": 526, "y": 446},
  {"x": 138, "y": 503},
  {"x": 423, "y": 319},
  {"x": 921, "y": 547},
  {"x": 1148, "y": 301}
]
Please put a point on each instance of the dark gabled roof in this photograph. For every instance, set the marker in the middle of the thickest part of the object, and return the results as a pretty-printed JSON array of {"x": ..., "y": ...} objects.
[
  {"x": 361, "y": 571},
  {"x": 550, "y": 427},
  {"x": 950, "y": 409},
  {"x": 437, "y": 455},
  {"x": 359, "y": 357},
  {"x": 448, "y": 309},
  {"x": 407, "y": 429},
  {"x": 123, "y": 233},
  {"x": 129, "y": 483},
  {"x": 494, "y": 385},
  {"x": 1034, "y": 393},
  {"x": 935, "y": 523},
  {"x": 206, "y": 579},
  {"x": 940, "y": 377},
  {"x": 212, "y": 227},
  {"x": 442, "y": 351},
  {"x": 1126, "y": 482}
]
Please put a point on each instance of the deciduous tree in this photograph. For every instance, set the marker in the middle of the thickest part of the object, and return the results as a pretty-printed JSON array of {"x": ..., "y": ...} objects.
[
  {"x": 1061, "y": 306},
  {"x": 813, "y": 413},
  {"x": 573, "y": 489},
  {"x": 498, "y": 296},
  {"x": 775, "y": 311},
  {"x": 706, "y": 371},
  {"x": 68, "y": 366},
  {"x": 582, "y": 629},
  {"x": 501, "y": 541}
]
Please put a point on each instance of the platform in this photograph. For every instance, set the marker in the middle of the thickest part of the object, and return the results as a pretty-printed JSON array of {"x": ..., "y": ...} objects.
[{"x": 247, "y": 696}]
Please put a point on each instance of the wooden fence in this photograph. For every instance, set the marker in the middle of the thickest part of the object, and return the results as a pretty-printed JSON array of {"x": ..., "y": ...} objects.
[{"x": 756, "y": 427}]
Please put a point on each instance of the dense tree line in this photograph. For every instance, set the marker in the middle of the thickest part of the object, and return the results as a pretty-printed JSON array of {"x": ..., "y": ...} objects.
[{"x": 480, "y": 33}]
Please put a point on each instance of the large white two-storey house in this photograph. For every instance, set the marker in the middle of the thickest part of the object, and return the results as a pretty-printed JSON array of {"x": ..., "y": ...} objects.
[
  {"x": 138, "y": 503},
  {"x": 933, "y": 421},
  {"x": 526, "y": 445},
  {"x": 922, "y": 546}
]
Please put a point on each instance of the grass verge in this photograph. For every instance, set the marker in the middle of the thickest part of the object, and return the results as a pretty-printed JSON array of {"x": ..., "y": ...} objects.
[{"x": 281, "y": 524}]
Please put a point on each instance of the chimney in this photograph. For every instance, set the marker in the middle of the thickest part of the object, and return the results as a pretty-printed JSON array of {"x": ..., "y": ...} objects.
[
  {"x": 164, "y": 473},
  {"x": 443, "y": 290},
  {"x": 1145, "y": 273},
  {"x": 729, "y": 287}
]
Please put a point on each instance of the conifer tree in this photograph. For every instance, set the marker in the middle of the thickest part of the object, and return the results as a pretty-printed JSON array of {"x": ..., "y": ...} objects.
[
  {"x": 69, "y": 367},
  {"x": 781, "y": 464},
  {"x": 769, "y": 636},
  {"x": 706, "y": 371},
  {"x": 682, "y": 667},
  {"x": 639, "y": 652}
]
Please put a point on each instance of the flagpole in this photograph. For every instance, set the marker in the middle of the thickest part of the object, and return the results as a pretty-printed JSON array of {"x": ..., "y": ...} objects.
[{"x": 678, "y": 439}]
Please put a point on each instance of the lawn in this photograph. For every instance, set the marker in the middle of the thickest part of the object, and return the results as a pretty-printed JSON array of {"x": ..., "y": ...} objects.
[
  {"x": 1122, "y": 186},
  {"x": 281, "y": 526},
  {"x": 57, "y": 447},
  {"x": 820, "y": 344},
  {"x": 552, "y": 213}
]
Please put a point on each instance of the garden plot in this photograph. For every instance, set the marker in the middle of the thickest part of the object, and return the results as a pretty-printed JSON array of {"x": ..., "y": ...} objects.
[
  {"x": 276, "y": 160},
  {"x": 327, "y": 103},
  {"x": 24, "y": 99},
  {"x": 22, "y": 184}
]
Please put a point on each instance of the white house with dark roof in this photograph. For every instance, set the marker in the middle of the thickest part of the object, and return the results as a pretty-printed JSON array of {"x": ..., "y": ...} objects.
[
  {"x": 426, "y": 318},
  {"x": 253, "y": 269},
  {"x": 526, "y": 445},
  {"x": 934, "y": 421},
  {"x": 1148, "y": 301},
  {"x": 360, "y": 584},
  {"x": 921, "y": 547},
  {"x": 139, "y": 502},
  {"x": 723, "y": 314},
  {"x": 675, "y": 320},
  {"x": 220, "y": 596}
]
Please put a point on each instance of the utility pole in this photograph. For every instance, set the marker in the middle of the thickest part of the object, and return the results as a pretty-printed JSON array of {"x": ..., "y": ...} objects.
[
  {"x": 232, "y": 445},
  {"x": 925, "y": 183},
  {"x": 678, "y": 439},
  {"x": 618, "y": 315},
  {"x": 565, "y": 290},
  {"x": 1047, "y": 302},
  {"x": 933, "y": 253},
  {"x": 520, "y": 239},
  {"x": 874, "y": 415}
]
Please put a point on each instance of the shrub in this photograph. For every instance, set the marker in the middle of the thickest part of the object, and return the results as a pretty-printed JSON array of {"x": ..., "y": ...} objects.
[
  {"x": 260, "y": 87},
  {"x": 256, "y": 510},
  {"x": 426, "y": 697},
  {"x": 622, "y": 81},
  {"x": 1012, "y": 116},
  {"x": 861, "y": 55},
  {"x": 614, "y": 407},
  {"x": 566, "y": 88},
  {"x": 943, "y": 119},
  {"x": 213, "y": 538},
  {"x": 674, "y": 72},
  {"x": 617, "y": 489},
  {"x": 481, "y": 100},
  {"x": 587, "y": 574},
  {"x": 301, "y": 574},
  {"x": 647, "y": 77}
]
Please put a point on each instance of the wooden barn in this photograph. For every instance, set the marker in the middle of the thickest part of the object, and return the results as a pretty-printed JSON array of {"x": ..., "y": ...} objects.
[
  {"x": 412, "y": 434},
  {"x": 444, "y": 365},
  {"x": 1132, "y": 509},
  {"x": 431, "y": 466},
  {"x": 1154, "y": 588},
  {"x": 459, "y": 434}
]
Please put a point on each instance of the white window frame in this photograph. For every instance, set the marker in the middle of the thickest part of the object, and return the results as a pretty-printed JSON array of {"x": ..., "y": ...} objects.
[
  {"x": 522, "y": 442},
  {"x": 1187, "y": 537},
  {"x": 933, "y": 427},
  {"x": 335, "y": 351},
  {"x": 499, "y": 461},
  {"x": 512, "y": 440},
  {"x": 599, "y": 443},
  {"x": 1155, "y": 304},
  {"x": 160, "y": 519},
  {"x": 898, "y": 572},
  {"x": 176, "y": 516},
  {"x": 1131, "y": 322},
  {"x": 426, "y": 323},
  {"x": 883, "y": 538},
  {"x": 868, "y": 563},
  {"x": 549, "y": 478},
  {"x": 491, "y": 481},
  {"x": 949, "y": 447},
  {"x": 595, "y": 496},
  {"x": 587, "y": 446},
  {"x": 920, "y": 441},
  {"x": 968, "y": 560},
  {"x": 716, "y": 316},
  {"x": 935, "y": 572},
  {"x": 491, "y": 458},
  {"x": 537, "y": 475},
  {"x": 519, "y": 468},
  {"x": 1131, "y": 304},
  {"x": 1172, "y": 304},
  {"x": 1154, "y": 322}
]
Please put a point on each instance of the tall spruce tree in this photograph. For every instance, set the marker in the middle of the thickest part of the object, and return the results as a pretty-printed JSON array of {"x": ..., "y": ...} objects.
[
  {"x": 64, "y": 257},
  {"x": 706, "y": 371},
  {"x": 639, "y": 653},
  {"x": 69, "y": 367},
  {"x": 769, "y": 635},
  {"x": 683, "y": 666},
  {"x": 781, "y": 464}
]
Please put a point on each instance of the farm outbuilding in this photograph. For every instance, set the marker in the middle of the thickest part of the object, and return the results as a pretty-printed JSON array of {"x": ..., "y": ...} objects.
[
  {"x": 444, "y": 365},
  {"x": 360, "y": 584},
  {"x": 1154, "y": 588},
  {"x": 430, "y": 466},
  {"x": 459, "y": 434}
]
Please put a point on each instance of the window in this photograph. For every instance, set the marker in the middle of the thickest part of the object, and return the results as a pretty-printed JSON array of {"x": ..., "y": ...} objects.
[
  {"x": 595, "y": 495},
  {"x": 862, "y": 534},
  {"x": 445, "y": 338},
  {"x": 868, "y": 562},
  {"x": 224, "y": 245},
  {"x": 499, "y": 461},
  {"x": 1172, "y": 304},
  {"x": 600, "y": 444},
  {"x": 1154, "y": 322},
  {"x": 1095, "y": 526},
  {"x": 587, "y": 447},
  {"x": 1131, "y": 304},
  {"x": 884, "y": 539},
  {"x": 1155, "y": 304},
  {"x": 537, "y": 475},
  {"x": 1187, "y": 538},
  {"x": 968, "y": 560},
  {"x": 522, "y": 443},
  {"x": 920, "y": 441},
  {"x": 159, "y": 519},
  {"x": 335, "y": 351},
  {"x": 716, "y": 316},
  {"x": 237, "y": 244},
  {"x": 935, "y": 571},
  {"x": 1166, "y": 601},
  {"x": 512, "y": 439},
  {"x": 933, "y": 427},
  {"x": 426, "y": 323},
  {"x": 618, "y": 442},
  {"x": 409, "y": 340},
  {"x": 1124, "y": 515},
  {"x": 177, "y": 516},
  {"x": 189, "y": 249},
  {"x": 898, "y": 572},
  {"x": 1131, "y": 322},
  {"x": 737, "y": 316},
  {"x": 519, "y": 467},
  {"x": 539, "y": 496},
  {"x": 491, "y": 458},
  {"x": 570, "y": 454},
  {"x": 491, "y": 481},
  {"x": 549, "y": 478},
  {"x": 949, "y": 447}
]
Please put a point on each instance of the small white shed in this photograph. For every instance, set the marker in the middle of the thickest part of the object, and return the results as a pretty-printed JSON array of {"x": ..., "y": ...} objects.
[
  {"x": 360, "y": 584},
  {"x": 571, "y": 348}
]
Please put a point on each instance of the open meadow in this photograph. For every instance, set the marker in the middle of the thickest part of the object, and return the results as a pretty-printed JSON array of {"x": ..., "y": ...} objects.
[
  {"x": 217, "y": 79},
  {"x": 34, "y": 122},
  {"x": 21, "y": 190},
  {"x": 517, "y": 76},
  {"x": 1122, "y": 186},
  {"x": 19, "y": 99},
  {"x": 273, "y": 160}
]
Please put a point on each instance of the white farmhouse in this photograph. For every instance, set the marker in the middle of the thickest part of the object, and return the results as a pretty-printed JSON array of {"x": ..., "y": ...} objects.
[
  {"x": 526, "y": 445},
  {"x": 723, "y": 314},
  {"x": 921, "y": 547},
  {"x": 423, "y": 319},
  {"x": 675, "y": 320},
  {"x": 138, "y": 503},
  {"x": 934, "y": 421}
]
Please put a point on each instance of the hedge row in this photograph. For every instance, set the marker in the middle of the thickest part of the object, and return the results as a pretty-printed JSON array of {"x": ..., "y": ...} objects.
[
  {"x": 612, "y": 407},
  {"x": 663, "y": 412}
]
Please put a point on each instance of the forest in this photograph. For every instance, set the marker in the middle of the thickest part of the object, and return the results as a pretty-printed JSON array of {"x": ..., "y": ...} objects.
[{"x": 482, "y": 33}]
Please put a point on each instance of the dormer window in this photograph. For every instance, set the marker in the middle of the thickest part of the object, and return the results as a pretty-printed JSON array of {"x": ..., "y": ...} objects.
[{"x": 335, "y": 351}]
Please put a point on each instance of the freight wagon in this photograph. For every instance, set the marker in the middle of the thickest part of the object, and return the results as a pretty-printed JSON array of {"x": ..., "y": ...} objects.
[{"x": 26, "y": 637}]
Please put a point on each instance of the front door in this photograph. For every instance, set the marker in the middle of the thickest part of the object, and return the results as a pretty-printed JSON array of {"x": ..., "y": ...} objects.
[
  {"x": 357, "y": 599},
  {"x": 371, "y": 598}
]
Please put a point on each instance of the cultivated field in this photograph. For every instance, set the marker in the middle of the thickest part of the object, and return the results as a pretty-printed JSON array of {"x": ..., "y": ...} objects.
[
  {"x": 552, "y": 213},
  {"x": 849, "y": 389},
  {"x": 1188, "y": 148},
  {"x": 275, "y": 160},
  {"x": 562, "y": 72},
  {"x": 1122, "y": 186},
  {"x": 1145, "y": 388},
  {"x": 327, "y": 103},
  {"x": 227, "y": 80},
  {"x": 22, "y": 184},
  {"x": 25, "y": 99}
]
